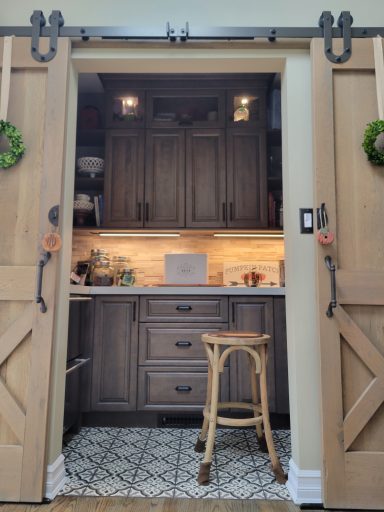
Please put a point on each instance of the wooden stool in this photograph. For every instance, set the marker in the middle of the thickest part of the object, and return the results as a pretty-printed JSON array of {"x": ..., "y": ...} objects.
[{"x": 218, "y": 346}]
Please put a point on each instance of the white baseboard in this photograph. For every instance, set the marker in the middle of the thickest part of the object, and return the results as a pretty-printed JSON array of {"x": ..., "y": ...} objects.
[
  {"x": 304, "y": 485},
  {"x": 55, "y": 478}
]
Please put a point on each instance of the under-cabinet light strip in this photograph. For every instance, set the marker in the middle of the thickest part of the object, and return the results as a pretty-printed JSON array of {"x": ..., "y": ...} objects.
[
  {"x": 140, "y": 234},
  {"x": 249, "y": 235}
]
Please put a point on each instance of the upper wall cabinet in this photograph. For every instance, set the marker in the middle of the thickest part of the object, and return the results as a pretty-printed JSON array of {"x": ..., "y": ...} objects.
[{"x": 200, "y": 108}]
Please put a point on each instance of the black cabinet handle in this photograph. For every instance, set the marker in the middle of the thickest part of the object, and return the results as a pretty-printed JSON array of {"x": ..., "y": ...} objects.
[
  {"x": 183, "y": 344},
  {"x": 134, "y": 312},
  {"x": 224, "y": 212},
  {"x": 233, "y": 313},
  {"x": 184, "y": 308},
  {"x": 184, "y": 389},
  {"x": 138, "y": 211},
  {"x": 147, "y": 212},
  {"x": 230, "y": 211}
]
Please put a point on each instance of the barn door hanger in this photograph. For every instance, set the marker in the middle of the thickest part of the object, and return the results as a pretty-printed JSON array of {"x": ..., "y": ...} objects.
[
  {"x": 344, "y": 22},
  {"x": 38, "y": 21}
]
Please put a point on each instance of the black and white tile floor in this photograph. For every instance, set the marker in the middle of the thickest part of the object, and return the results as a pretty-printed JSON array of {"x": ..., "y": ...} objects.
[{"x": 161, "y": 462}]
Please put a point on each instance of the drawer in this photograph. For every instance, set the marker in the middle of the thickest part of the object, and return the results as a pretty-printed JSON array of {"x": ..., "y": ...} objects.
[
  {"x": 172, "y": 344},
  {"x": 168, "y": 388},
  {"x": 182, "y": 309}
]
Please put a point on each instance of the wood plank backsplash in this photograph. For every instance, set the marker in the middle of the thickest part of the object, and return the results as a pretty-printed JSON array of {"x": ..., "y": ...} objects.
[{"x": 146, "y": 254}]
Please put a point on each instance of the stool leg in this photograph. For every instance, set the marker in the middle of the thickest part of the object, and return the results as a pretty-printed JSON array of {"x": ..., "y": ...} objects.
[
  {"x": 205, "y": 466},
  {"x": 255, "y": 401},
  {"x": 280, "y": 476},
  {"x": 201, "y": 440}
]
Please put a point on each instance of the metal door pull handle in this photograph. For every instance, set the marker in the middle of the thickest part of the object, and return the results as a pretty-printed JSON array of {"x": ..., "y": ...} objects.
[
  {"x": 333, "y": 303},
  {"x": 183, "y": 344},
  {"x": 184, "y": 308},
  {"x": 183, "y": 388},
  {"x": 40, "y": 269},
  {"x": 79, "y": 363}
]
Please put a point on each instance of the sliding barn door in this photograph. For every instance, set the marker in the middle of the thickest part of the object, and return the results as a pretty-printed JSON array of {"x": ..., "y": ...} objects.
[
  {"x": 37, "y": 107},
  {"x": 352, "y": 340}
]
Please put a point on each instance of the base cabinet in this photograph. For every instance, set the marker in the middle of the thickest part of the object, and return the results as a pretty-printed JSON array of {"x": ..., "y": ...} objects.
[
  {"x": 159, "y": 362},
  {"x": 114, "y": 371}
]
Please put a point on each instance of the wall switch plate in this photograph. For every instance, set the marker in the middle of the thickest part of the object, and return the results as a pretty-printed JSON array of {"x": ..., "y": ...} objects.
[{"x": 306, "y": 220}]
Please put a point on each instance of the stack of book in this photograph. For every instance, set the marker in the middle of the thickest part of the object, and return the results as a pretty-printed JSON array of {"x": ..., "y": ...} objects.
[{"x": 99, "y": 209}]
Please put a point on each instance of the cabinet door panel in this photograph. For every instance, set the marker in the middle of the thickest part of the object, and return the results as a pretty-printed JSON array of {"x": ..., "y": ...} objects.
[
  {"x": 115, "y": 355},
  {"x": 205, "y": 175},
  {"x": 246, "y": 179},
  {"x": 252, "y": 314},
  {"x": 124, "y": 178},
  {"x": 165, "y": 179}
]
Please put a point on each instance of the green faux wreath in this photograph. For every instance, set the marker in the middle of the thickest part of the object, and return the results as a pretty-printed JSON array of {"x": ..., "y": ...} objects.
[
  {"x": 17, "y": 148},
  {"x": 370, "y": 143}
]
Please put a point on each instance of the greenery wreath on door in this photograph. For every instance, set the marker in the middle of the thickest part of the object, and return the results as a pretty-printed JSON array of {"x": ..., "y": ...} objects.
[
  {"x": 373, "y": 143},
  {"x": 16, "y": 146}
]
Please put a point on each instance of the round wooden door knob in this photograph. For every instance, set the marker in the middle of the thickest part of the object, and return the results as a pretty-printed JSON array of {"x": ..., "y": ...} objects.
[{"x": 51, "y": 242}]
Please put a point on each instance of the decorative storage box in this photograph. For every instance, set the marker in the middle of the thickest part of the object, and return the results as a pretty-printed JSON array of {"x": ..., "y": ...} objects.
[
  {"x": 186, "y": 269},
  {"x": 273, "y": 272}
]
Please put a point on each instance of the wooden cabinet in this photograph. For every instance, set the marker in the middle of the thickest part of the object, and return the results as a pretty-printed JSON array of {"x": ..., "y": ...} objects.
[
  {"x": 205, "y": 178},
  {"x": 124, "y": 179},
  {"x": 246, "y": 179},
  {"x": 177, "y": 158},
  {"x": 172, "y": 360},
  {"x": 165, "y": 179},
  {"x": 251, "y": 314},
  {"x": 114, "y": 371},
  {"x": 160, "y": 364}
]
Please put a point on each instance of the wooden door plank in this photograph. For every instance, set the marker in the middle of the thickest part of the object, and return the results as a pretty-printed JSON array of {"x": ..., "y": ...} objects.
[
  {"x": 15, "y": 334},
  {"x": 363, "y": 410},
  {"x": 354, "y": 287},
  {"x": 10, "y": 472},
  {"x": 360, "y": 343},
  {"x": 330, "y": 357},
  {"x": 17, "y": 283},
  {"x": 34, "y": 454},
  {"x": 11, "y": 412}
]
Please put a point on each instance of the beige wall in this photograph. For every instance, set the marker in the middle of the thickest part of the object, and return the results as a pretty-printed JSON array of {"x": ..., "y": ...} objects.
[{"x": 198, "y": 12}]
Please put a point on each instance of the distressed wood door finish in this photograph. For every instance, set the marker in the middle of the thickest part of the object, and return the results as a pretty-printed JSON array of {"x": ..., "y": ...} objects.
[
  {"x": 114, "y": 370},
  {"x": 165, "y": 179},
  {"x": 351, "y": 342},
  {"x": 37, "y": 107},
  {"x": 124, "y": 179},
  {"x": 251, "y": 314},
  {"x": 246, "y": 178},
  {"x": 206, "y": 179}
]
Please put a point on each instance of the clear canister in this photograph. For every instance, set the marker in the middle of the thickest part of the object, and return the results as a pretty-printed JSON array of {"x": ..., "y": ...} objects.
[
  {"x": 118, "y": 263},
  {"x": 102, "y": 274},
  {"x": 126, "y": 277}
]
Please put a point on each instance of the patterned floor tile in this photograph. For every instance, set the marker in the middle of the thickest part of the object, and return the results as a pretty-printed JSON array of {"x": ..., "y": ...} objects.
[{"x": 139, "y": 462}]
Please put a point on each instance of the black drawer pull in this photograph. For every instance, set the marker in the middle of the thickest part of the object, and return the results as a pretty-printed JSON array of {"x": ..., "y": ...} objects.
[
  {"x": 183, "y": 344},
  {"x": 183, "y": 388},
  {"x": 184, "y": 308}
]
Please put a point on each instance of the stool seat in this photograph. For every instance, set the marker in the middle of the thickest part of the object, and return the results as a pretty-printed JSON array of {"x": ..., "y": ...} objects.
[
  {"x": 237, "y": 338},
  {"x": 218, "y": 346}
]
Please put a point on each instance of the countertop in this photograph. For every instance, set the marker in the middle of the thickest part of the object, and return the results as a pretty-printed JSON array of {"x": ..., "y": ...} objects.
[{"x": 174, "y": 290}]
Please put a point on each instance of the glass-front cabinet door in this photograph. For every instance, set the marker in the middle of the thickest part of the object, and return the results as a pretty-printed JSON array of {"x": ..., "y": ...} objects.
[
  {"x": 185, "y": 108},
  {"x": 246, "y": 108},
  {"x": 125, "y": 109}
]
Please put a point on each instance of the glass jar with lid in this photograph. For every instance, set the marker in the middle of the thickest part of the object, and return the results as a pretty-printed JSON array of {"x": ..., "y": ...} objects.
[
  {"x": 118, "y": 263},
  {"x": 126, "y": 277},
  {"x": 103, "y": 273},
  {"x": 96, "y": 255}
]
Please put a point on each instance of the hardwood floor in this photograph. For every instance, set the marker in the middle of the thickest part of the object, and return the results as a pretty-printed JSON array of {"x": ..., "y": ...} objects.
[{"x": 90, "y": 504}]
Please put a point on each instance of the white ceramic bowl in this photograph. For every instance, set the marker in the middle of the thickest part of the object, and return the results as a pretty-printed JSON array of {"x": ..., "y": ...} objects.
[
  {"x": 93, "y": 163},
  {"x": 82, "y": 205}
]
